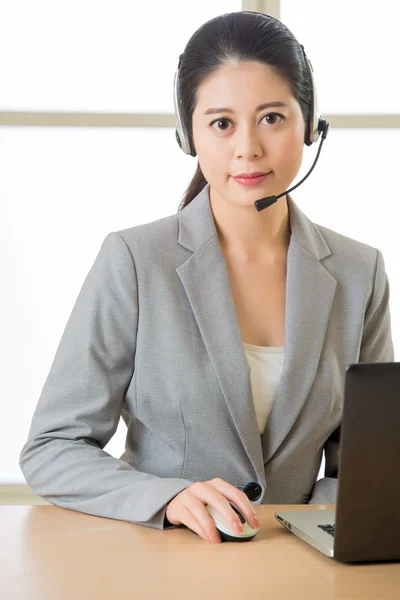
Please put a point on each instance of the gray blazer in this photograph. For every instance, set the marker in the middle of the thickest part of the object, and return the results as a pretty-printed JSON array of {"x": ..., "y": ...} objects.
[{"x": 154, "y": 337}]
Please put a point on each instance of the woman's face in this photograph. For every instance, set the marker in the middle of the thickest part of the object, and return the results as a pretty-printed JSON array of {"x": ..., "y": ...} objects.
[{"x": 247, "y": 138}]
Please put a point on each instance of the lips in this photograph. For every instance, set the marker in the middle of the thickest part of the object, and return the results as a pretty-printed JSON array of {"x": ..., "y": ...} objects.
[
  {"x": 252, "y": 174},
  {"x": 249, "y": 179}
]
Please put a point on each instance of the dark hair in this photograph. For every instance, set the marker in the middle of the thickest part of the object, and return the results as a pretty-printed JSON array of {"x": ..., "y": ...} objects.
[{"x": 240, "y": 36}]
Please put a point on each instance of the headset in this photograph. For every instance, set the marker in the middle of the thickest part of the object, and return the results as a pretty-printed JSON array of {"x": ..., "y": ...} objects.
[{"x": 314, "y": 127}]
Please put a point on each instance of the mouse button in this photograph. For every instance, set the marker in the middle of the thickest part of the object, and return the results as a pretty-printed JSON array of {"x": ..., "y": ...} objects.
[
  {"x": 237, "y": 511},
  {"x": 216, "y": 516},
  {"x": 249, "y": 530}
]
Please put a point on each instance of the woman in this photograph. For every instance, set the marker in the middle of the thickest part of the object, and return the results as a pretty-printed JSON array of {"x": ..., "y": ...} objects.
[{"x": 181, "y": 324}]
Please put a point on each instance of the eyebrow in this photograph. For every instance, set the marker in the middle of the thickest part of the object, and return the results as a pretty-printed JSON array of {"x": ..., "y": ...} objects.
[{"x": 211, "y": 111}]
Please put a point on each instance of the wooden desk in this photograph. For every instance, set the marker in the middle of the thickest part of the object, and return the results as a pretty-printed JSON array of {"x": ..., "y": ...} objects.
[{"x": 49, "y": 553}]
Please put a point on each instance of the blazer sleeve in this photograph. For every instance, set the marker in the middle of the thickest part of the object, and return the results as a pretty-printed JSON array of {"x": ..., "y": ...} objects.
[
  {"x": 79, "y": 408},
  {"x": 376, "y": 346}
]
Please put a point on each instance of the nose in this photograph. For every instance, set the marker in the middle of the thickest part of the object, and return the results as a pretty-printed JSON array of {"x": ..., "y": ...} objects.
[{"x": 248, "y": 144}]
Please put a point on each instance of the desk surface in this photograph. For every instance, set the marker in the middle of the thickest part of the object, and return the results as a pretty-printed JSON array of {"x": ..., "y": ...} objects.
[{"x": 49, "y": 553}]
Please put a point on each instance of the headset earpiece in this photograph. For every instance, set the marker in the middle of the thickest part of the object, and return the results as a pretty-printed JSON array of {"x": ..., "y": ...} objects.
[
  {"x": 314, "y": 125},
  {"x": 181, "y": 134}
]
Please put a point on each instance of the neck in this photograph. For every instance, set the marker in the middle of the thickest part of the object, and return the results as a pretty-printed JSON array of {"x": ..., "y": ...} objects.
[{"x": 247, "y": 235}]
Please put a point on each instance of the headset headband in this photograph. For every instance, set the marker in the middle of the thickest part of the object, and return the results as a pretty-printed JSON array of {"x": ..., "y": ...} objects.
[{"x": 313, "y": 125}]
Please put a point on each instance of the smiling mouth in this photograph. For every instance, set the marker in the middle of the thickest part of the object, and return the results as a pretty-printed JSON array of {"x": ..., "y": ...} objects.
[
  {"x": 251, "y": 181},
  {"x": 251, "y": 175}
]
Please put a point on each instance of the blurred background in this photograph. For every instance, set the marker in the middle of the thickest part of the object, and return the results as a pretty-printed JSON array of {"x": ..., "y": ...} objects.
[{"x": 86, "y": 118}]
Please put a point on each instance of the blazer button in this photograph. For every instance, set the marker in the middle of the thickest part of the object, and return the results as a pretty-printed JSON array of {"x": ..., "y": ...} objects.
[{"x": 252, "y": 490}]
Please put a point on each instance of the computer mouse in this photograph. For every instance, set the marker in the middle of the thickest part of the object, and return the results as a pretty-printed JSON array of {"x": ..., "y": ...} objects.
[{"x": 227, "y": 533}]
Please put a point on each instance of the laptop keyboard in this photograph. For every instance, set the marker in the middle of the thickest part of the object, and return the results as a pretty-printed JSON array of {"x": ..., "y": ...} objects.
[{"x": 329, "y": 529}]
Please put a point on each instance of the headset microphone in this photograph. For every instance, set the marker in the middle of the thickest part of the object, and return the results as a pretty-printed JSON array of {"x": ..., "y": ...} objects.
[{"x": 265, "y": 202}]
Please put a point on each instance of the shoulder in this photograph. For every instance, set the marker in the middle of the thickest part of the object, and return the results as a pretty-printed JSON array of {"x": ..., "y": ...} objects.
[
  {"x": 155, "y": 242},
  {"x": 152, "y": 233},
  {"x": 355, "y": 264},
  {"x": 336, "y": 251},
  {"x": 348, "y": 250}
]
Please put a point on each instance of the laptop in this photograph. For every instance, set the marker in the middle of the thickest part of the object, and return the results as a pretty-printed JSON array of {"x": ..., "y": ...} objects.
[{"x": 365, "y": 525}]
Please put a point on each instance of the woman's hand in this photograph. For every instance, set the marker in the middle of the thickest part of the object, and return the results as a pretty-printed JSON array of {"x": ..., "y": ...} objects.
[{"x": 188, "y": 507}]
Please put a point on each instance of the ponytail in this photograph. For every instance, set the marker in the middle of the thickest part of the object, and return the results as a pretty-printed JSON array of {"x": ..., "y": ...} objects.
[{"x": 196, "y": 185}]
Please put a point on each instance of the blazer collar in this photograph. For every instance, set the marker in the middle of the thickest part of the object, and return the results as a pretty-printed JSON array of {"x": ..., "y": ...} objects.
[
  {"x": 310, "y": 289},
  {"x": 197, "y": 226}
]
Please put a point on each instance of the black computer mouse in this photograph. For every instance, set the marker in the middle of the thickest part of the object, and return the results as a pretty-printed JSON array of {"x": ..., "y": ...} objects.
[{"x": 227, "y": 533}]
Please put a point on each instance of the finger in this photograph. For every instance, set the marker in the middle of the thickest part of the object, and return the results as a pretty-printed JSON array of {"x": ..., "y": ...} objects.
[
  {"x": 200, "y": 523},
  {"x": 208, "y": 494},
  {"x": 196, "y": 507},
  {"x": 239, "y": 498}
]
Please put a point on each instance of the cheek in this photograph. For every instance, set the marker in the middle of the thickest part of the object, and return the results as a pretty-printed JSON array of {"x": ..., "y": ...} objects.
[
  {"x": 212, "y": 160},
  {"x": 289, "y": 150},
  {"x": 205, "y": 143}
]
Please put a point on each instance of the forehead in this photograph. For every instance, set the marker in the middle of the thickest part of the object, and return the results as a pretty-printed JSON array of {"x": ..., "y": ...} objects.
[{"x": 253, "y": 79}]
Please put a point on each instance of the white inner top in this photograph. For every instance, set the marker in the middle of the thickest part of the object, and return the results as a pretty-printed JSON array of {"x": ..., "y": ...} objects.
[{"x": 266, "y": 364}]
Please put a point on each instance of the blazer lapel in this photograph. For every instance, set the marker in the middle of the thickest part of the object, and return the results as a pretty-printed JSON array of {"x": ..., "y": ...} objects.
[{"x": 309, "y": 295}]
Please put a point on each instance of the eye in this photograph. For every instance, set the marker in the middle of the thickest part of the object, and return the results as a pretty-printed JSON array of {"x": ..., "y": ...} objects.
[
  {"x": 274, "y": 114},
  {"x": 223, "y": 120}
]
